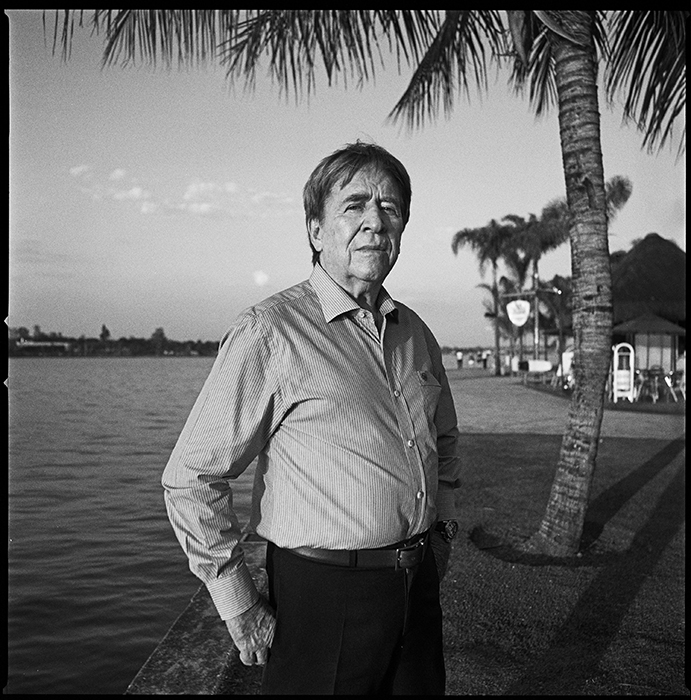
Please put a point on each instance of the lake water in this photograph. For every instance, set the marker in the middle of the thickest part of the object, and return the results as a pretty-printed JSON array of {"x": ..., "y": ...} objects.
[{"x": 96, "y": 576}]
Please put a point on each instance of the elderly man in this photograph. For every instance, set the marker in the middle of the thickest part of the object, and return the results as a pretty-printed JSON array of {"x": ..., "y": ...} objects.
[{"x": 340, "y": 394}]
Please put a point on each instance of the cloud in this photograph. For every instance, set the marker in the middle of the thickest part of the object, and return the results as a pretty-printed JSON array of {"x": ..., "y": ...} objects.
[
  {"x": 134, "y": 193},
  {"x": 202, "y": 208},
  {"x": 199, "y": 198},
  {"x": 203, "y": 199},
  {"x": 80, "y": 170},
  {"x": 201, "y": 190},
  {"x": 268, "y": 202},
  {"x": 117, "y": 186}
]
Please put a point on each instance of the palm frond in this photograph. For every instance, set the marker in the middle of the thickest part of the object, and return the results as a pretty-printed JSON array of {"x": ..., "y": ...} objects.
[
  {"x": 644, "y": 52},
  {"x": 457, "y": 54},
  {"x": 297, "y": 43},
  {"x": 618, "y": 189},
  {"x": 538, "y": 75},
  {"x": 518, "y": 264},
  {"x": 63, "y": 29},
  {"x": 185, "y": 37},
  {"x": 409, "y": 32},
  {"x": 488, "y": 242},
  {"x": 648, "y": 65}
]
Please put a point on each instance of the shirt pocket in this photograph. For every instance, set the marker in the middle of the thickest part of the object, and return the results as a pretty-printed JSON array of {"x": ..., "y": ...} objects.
[{"x": 431, "y": 390}]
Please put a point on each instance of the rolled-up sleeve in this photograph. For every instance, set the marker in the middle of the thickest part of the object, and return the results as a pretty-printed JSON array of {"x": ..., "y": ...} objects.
[
  {"x": 231, "y": 421},
  {"x": 448, "y": 451},
  {"x": 448, "y": 446}
]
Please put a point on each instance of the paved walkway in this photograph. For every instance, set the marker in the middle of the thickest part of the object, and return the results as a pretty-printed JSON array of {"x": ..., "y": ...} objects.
[{"x": 487, "y": 404}]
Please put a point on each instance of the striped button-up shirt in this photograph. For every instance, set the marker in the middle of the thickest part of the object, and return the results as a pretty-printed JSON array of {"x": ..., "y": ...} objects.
[{"x": 353, "y": 428}]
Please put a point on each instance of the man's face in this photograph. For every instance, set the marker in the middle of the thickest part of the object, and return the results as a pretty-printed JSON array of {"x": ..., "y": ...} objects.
[{"x": 359, "y": 235}]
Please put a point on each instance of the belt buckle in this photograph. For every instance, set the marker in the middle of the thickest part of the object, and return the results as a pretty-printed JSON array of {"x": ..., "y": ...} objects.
[{"x": 402, "y": 561}]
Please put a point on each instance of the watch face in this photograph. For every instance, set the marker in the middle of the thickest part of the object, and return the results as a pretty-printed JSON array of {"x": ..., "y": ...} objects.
[{"x": 451, "y": 529}]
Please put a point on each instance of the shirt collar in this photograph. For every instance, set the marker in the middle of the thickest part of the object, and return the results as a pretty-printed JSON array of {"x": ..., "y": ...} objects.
[{"x": 335, "y": 301}]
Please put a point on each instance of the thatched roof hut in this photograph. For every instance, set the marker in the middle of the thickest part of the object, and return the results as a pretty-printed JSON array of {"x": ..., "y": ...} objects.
[
  {"x": 649, "y": 295},
  {"x": 650, "y": 279},
  {"x": 651, "y": 324}
]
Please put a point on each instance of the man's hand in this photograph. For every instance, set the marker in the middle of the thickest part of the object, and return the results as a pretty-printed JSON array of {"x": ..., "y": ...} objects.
[
  {"x": 253, "y": 632},
  {"x": 442, "y": 551}
]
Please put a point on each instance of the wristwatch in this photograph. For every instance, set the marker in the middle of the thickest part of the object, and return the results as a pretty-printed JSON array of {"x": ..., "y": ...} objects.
[{"x": 447, "y": 528}]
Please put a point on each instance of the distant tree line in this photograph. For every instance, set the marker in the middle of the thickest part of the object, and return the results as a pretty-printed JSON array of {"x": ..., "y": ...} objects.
[{"x": 36, "y": 343}]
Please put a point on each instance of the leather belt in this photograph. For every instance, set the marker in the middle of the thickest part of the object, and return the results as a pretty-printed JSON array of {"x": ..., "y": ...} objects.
[{"x": 402, "y": 555}]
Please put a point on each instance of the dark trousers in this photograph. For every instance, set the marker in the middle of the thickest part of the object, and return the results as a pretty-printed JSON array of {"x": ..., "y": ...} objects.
[{"x": 353, "y": 631}]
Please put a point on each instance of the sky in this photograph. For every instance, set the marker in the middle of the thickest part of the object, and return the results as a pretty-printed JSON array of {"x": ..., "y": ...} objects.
[{"x": 143, "y": 198}]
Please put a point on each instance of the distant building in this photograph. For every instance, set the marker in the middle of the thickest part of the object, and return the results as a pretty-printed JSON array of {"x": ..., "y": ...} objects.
[
  {"x": 649, "y": 297},
  {"x": 42, "y": 347}
]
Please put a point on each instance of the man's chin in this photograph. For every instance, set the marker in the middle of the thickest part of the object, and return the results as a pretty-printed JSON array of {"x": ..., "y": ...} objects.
[
  {"x": 375, "y": 273},
  {"x": 374, "y": 266}
]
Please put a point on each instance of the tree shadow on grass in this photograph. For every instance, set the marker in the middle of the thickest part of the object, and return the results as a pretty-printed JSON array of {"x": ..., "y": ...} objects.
[
  {"x": 611, "y": 500},
  {"x": 507, "y": 545},
  {"x": 576, "y": 650}
]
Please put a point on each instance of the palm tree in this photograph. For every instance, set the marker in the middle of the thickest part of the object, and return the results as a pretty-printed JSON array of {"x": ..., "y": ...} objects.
[
  {"x": 500, "y": 318},
  {"x": 535, "y": 237},
  {"x": 539, "y": 235},
  {"x": 554, "y": 54},
  {"x": 506, "y": 287},
  {"x": 489, "y": 243},
  {"x": 518, "y": 263},
  {"x": 559, "y": 304}
]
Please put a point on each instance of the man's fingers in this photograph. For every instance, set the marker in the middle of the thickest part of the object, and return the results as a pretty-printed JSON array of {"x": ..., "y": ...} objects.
[
  {"x": 250, "y": 658},
  {"x": 252, "y": 633}
]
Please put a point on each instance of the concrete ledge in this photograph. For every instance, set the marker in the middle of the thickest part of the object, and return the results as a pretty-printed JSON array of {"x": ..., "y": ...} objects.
[{"x": 197, "y": 656}]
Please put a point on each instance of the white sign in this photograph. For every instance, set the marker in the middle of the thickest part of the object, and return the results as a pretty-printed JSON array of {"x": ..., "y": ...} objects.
[{"x": 519, "y": 311}]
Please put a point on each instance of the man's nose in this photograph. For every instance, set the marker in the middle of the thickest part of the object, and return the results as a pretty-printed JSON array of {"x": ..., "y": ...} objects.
[{"x": 373, "y": 219}]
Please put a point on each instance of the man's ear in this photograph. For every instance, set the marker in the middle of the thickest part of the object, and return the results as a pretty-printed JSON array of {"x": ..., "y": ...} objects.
[{"x": 315, "y": 234}]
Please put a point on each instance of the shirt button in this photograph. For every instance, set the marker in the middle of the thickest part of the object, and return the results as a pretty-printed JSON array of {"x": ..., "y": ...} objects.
[
  {"x": 411, "y": 443},
  {"x": 396, "y": 393},
  {"x": 423, "y": 376},
  {"x": 419, "y": 495}
]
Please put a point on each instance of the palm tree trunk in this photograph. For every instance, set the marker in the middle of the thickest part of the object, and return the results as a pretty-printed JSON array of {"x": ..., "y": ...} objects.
[
  {"x": 560, "y": 531},
  {"x": 561, "y": 353},
  {"x": 497, "y": 340},
  {"x": 536, "y": 313}
]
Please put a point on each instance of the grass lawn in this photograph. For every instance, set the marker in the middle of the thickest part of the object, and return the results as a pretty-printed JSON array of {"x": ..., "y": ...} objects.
[
  {"x": 610, "y": 622},
  {"x": 665, "y": 405}
]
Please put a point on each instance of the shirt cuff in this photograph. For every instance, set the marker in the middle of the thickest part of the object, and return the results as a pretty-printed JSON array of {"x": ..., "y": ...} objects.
[{"x": 234, "y": 593}]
